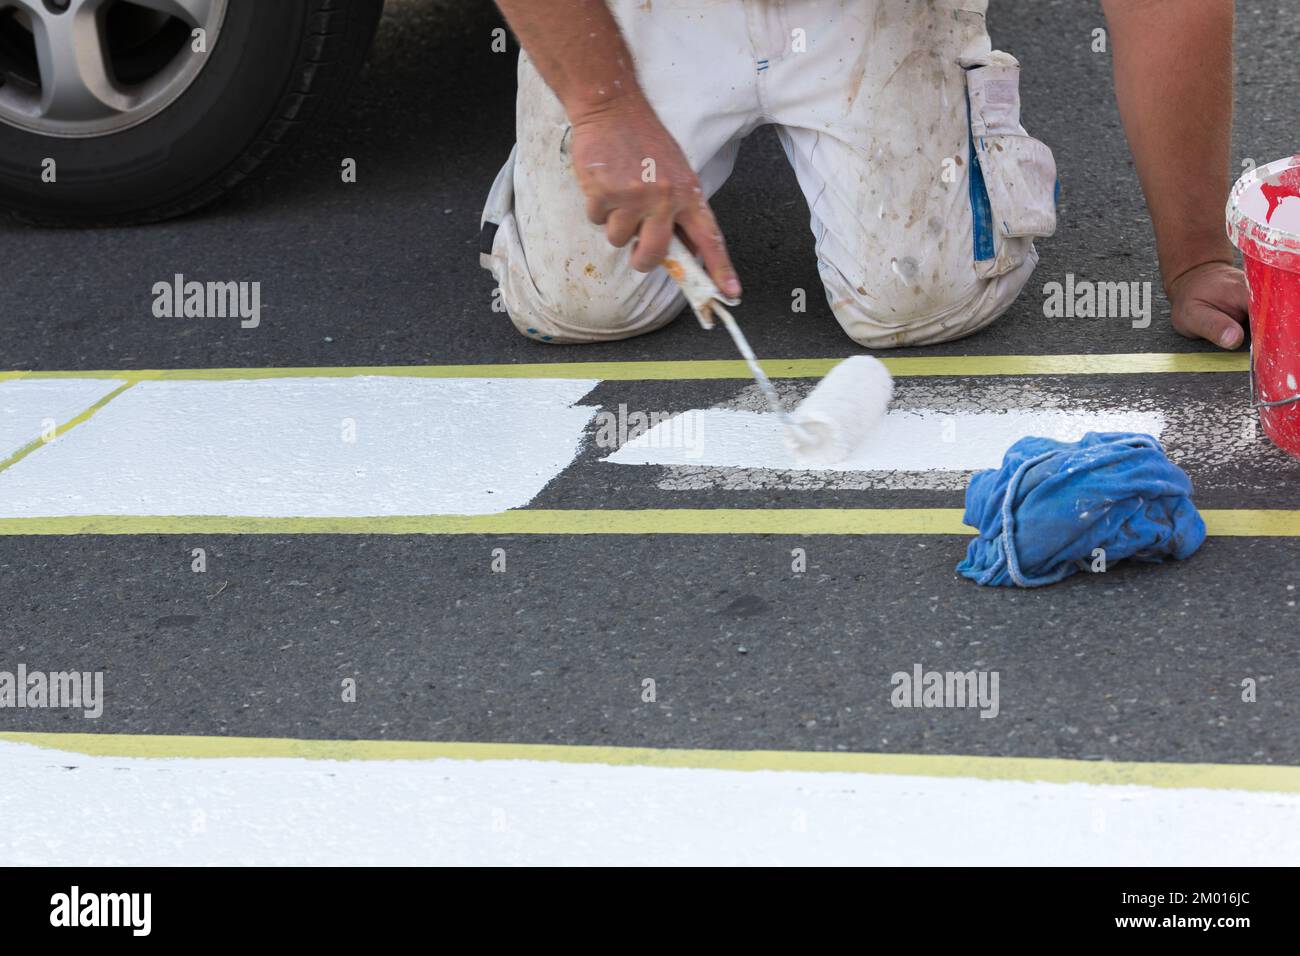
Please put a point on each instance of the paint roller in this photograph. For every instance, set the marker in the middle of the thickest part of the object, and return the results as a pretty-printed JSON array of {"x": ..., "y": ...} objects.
[{"x": 837, "y": 415}]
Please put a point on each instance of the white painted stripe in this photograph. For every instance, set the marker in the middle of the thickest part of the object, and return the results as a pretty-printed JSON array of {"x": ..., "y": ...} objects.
[
  {"x": 115, "y": 811},
  {"x": 30, "y": 409},
  {"x": 275, "y": 447},
  {"x": 1210, "y": 438},
  {"x": 280, "y": 448},
  {"x": 915, "y": 440}
]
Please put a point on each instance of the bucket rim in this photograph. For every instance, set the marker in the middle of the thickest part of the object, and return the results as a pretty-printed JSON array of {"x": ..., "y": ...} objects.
[{"x": 1242, "y": 226}]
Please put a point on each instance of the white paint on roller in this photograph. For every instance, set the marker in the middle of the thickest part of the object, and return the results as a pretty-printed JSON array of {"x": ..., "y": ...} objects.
[
  {"x": 114, "y": 811},
  {"x": 30, "y": 408},
  {"x": 841, "y": 412},
  {"x": 279, "y": 448},
  {"x": 916, "y": 440}
]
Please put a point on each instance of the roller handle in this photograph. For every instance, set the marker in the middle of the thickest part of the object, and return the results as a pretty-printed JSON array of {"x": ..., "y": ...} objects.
[
  {"x": 700, "y": 290},
  {"x": 706, "y": 301}
]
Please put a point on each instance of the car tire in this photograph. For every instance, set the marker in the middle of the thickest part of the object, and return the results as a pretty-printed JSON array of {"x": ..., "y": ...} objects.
[{"x": 274, "y": 68}]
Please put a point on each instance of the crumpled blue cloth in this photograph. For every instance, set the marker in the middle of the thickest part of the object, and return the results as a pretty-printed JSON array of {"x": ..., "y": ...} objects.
[{"x": 1051, "y": 504}]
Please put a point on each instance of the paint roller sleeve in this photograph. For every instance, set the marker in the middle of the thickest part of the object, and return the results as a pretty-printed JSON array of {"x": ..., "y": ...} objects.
[{"x": 841, "y": 411}]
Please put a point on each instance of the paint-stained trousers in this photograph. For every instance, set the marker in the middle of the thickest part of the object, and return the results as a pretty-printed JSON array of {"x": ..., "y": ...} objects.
[{"x": 903, "y": 128}]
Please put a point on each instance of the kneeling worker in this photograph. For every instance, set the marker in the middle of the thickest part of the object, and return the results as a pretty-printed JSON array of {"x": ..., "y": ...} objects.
[{"x": 903, "y": 127}]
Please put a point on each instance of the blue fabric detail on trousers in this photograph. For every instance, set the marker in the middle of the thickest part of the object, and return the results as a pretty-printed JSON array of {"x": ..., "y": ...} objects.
[
  {"x": 981, "y": 208},
  {"x": 1042, "y": 514}
]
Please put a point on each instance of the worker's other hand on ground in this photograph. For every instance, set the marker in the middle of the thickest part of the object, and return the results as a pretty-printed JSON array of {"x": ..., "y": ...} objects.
[
  {"x": 1211, "y": 302},
  {"x": 639, "y": 184}
]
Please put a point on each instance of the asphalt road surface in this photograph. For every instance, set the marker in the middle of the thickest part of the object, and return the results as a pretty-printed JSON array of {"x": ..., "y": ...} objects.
[{"x": 1142, "y": 663}]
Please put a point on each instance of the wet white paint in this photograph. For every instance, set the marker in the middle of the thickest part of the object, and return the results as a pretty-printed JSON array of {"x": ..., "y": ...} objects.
[
  {"x": 282, "y": 448},
  {"x": 916, "y": 440},
  {"x": 276, "y": 447},
  {"x": 1211, "y": 439},
  {"x": 135, "y": 811},
  {"x": 29, "y": 409},
  {"x": 1287, "y": 215}
]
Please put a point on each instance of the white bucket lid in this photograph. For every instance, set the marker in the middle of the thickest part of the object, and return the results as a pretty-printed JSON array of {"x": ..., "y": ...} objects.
[{"x": 1264, "y": 214}]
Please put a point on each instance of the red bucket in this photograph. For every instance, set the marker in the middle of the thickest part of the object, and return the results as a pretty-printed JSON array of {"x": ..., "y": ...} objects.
[{"x": 1264, "y": 223}]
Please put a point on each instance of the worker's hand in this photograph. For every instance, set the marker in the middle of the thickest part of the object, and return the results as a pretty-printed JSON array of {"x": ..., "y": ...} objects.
[
  {"x": 638, "y": 183},
  {"x": 1211, "y": 302}
]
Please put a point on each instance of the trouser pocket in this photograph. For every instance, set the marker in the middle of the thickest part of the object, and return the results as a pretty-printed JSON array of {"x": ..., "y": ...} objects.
[{"x": 1013, "y": 175}]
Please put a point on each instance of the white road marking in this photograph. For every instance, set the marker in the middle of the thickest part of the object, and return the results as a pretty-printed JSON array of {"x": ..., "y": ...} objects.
[
  {"x": 913, "y": 441},
  {"x": 116, "y": 811},
  {"x": 1208, "y": 438},
  {"x": 281, "y": 448},
  {"x": 29, "y": 409}
]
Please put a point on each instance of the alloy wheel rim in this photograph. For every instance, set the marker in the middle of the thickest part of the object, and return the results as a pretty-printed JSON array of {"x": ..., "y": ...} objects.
[{"x": 80, "y": 68}]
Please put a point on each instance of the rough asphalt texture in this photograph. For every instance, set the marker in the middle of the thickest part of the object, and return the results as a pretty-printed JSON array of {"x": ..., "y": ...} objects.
[{"x": 1140, "y": 664}]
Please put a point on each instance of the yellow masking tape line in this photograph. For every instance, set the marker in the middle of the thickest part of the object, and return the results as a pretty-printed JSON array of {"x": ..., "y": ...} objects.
[
  {"x": 788, "y": 521},
  {"x": 1246, "y": 523},
  {"x": 955, "y": 365},
  {"x": 66, "y": 426},
  {"x": 1279, "y": 779}
]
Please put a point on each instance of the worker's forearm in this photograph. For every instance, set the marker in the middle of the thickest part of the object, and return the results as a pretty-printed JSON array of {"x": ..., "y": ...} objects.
[
  {"x": 578, "y": 49},
  {"x": 1173, "y": 79}
]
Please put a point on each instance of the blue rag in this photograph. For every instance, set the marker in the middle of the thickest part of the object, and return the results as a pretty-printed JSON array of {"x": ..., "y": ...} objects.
[{"x": 1051, "y": 504}]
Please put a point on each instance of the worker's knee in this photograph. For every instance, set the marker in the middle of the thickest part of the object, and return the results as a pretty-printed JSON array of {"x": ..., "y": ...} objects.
[
  {"x": 910, "y": 309},
  {"x": 563, "y": 309},
  {"x": 565, "y": 320},
  {"x": 579, "y": 295}
]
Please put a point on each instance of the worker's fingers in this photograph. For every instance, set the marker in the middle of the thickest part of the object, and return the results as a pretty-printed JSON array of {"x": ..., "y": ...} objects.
[
  {"x": 597, "y": 210},
  {"x": 1212, "y": 302},
  {"x": 1203, "y": 321},
  {"x": 652, "y": 242},
  {"x": 1237, "y": 296},
  {"x": 622, "y": 225},
  {"x": 702, "y": 234}
]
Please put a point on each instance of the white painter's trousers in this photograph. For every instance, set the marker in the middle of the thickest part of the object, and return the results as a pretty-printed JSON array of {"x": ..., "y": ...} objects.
[{"x": 903, "y": 127}]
